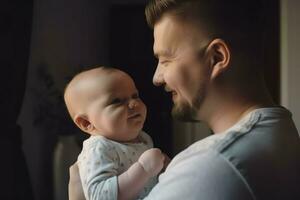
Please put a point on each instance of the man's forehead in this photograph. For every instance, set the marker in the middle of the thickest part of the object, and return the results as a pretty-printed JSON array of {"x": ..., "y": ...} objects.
[
  {"x": 170, "y": 33},
  {"x": 169, "y": 38},
  {"x": 164, "y": 37}
]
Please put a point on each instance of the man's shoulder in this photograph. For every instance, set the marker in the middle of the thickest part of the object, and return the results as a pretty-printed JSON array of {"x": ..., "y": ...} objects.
[
  {"x": 267, "y": 131},
  {"x": 267, "y": 154},
  {"x": 264, "y": 130}
]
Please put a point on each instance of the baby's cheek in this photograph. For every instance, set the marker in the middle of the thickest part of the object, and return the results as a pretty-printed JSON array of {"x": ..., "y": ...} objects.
[
  {"x": 117, "y": 116},
  {"x": 144, "y": 109}
]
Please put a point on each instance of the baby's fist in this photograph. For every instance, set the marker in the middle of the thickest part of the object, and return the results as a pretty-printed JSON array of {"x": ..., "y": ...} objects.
[{"x": 152, "y": 161}]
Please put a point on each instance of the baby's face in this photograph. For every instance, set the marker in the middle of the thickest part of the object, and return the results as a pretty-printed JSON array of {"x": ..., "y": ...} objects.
[{"x": 116, "y": 111}]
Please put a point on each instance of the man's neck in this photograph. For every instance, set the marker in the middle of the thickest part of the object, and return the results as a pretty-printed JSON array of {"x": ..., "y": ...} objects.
[
  {"x": 222, "y": 112},
  {"x": 221, "y": 121}
]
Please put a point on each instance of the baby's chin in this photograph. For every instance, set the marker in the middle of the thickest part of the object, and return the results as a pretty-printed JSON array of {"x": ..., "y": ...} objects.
[
  {"x": 130, "y": 137},
  {"x": 135, "y": 137}
]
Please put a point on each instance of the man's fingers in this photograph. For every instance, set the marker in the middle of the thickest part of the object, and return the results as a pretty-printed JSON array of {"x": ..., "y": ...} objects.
[
  {"x": 75, "y": 187},
  {"x": 73, "y": 169},
  {"x": 74, "y": 172}
]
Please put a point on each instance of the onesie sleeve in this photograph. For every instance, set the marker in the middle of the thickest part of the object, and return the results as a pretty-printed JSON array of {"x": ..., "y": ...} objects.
[{"x": 98, "y": 172}]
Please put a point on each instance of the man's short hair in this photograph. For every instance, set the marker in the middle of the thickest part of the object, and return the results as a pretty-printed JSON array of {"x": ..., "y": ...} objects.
[{"x": 238, "y": 22}]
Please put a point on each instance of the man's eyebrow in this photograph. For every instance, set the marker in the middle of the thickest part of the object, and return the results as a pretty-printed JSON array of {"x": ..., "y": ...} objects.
[{"x": 164, "y": 53}]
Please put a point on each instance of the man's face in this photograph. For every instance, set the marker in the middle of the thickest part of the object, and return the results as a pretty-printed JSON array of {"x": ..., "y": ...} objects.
[{"x": 181, "y": 69}]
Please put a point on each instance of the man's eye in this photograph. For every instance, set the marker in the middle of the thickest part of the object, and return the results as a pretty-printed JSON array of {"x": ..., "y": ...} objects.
[{"x": 163, "y": 62}]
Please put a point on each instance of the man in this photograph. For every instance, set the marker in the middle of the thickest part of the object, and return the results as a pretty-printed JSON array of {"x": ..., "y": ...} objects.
[{"x": 209, "y": 58}]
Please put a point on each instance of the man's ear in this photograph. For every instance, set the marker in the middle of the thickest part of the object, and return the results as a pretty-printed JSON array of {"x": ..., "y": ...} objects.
[
  {"x": 220, "y": 57},
  {"x": 83, "y": 123}
]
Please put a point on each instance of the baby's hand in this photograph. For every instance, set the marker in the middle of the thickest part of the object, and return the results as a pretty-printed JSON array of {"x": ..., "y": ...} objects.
[{"x": 152, "y": 161}]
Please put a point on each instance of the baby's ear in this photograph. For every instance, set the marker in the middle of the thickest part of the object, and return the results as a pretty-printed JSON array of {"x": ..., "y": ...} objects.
[{"x": 83, "y": 123}]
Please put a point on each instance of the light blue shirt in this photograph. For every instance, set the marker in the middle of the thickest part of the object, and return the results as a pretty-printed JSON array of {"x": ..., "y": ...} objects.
[{"x": 257, "y": 158}]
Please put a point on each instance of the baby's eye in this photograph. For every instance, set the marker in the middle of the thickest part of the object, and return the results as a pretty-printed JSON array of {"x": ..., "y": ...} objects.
[
  {"x": 136, "y": 96},
  {"x": 116, "y": 101}
]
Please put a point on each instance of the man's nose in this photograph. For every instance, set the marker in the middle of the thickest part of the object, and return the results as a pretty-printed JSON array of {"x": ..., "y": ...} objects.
[{"x": 158, "y": 76}]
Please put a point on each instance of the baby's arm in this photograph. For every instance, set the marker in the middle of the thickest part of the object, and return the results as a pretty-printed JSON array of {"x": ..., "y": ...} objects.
[{"x": 132, "y": 181}]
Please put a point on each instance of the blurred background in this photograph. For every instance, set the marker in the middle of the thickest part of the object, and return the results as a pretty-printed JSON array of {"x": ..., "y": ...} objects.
[{"x": 44, "y": 43}]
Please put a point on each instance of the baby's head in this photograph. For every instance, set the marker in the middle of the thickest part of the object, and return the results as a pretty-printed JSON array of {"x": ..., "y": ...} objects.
[{"x": 104, "y": 101}]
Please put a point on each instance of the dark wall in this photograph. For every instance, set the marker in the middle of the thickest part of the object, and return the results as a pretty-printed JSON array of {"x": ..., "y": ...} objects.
[
  {"x": 271, "y": 46},
  {"x": 15, "y": 24},
  {"x": 131, "y": 50}
]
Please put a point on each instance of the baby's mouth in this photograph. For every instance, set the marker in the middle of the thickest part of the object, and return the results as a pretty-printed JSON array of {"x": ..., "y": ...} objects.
[
  {"x": 133, "y": 116},
  {"x": 171, "y": 92},
  {"x": 173, "y": 95}
]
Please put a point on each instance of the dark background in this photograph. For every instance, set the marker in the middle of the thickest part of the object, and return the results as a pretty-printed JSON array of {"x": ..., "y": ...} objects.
[{"x": 131, "y": 50}]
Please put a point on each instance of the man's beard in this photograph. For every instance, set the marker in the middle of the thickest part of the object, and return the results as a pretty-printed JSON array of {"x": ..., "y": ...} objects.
[
  {"x": 189, "y": 112},
  {"x": 185, "y": 112}
]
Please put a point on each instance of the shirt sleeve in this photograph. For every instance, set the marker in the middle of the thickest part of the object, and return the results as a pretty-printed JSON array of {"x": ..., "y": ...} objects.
[
  {"x": 201, "y": 176},
  {"x": 98, "y": 172}
]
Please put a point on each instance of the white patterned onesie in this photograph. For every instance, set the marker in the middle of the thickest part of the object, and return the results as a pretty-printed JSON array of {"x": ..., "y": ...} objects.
[{"x": 102, "y": 160}]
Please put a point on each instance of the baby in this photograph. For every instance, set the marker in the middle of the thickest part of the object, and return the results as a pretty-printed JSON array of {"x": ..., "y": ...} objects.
[{"x": 117, "y": 160}]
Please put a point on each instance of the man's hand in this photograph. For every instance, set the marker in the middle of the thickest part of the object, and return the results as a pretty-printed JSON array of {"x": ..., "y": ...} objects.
[
  {"x": 75, "y": 187},
  {"x": 152, "y": 161}
]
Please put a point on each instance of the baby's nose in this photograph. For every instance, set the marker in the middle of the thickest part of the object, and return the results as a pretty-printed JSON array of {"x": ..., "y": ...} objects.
[
  {"x": 158, "y": 79},
  {"x": 132, "y": 104}
]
